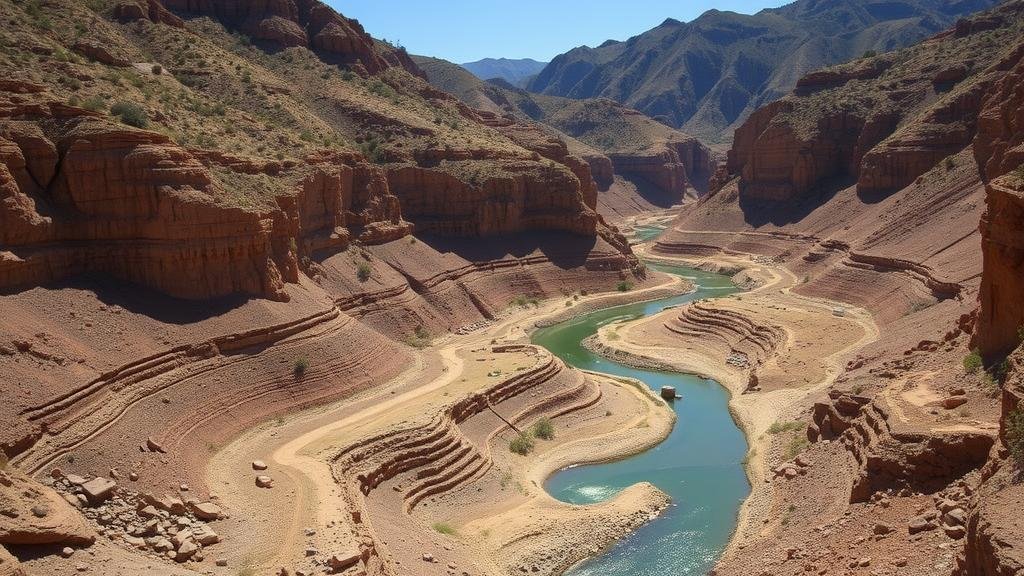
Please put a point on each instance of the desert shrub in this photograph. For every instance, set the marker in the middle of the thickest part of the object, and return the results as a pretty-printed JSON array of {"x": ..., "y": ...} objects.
[
  {"x": 544, "y": 429},
  {"x": 869, "y": 54},
  {"x": 950, "y": 163},
  {"x": 301, "y": 367},
  {"x": 444, "y": 528},
  {"x": 372, "y": 149},
  {"x": 521, "y": 444},
  {"x": 379, "y": 88},
  {"x": 421, "y": 338},
  {"x": 1015, "y": 435},
  {"x": 363, "y": 272},
  {"x": 796, "y": 445},
  {"x": 973, "y": 362},
  {"x": 625, "y": 286},
  {"x": 130, "y": 113},
  {"x": 780, "y": 427}
]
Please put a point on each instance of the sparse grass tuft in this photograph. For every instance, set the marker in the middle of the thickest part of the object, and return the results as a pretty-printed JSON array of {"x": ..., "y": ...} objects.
[
  {"x": 1015, "y": 435},
  {"x": 780, "y": 427},
  {"x": 445, "y": 528},
  {"x": 521, "y": 444},
  {"x": 301, "y": 367},
  {"x": 544, "y": 429},
  {"x": 625, "y": 286},
  {"x": 363, "y": 272},
  {"x": 797, "y": 445}
]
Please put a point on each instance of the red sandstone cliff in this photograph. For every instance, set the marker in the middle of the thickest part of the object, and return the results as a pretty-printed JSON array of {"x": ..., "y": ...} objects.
[{"x": 86, "y": 195}]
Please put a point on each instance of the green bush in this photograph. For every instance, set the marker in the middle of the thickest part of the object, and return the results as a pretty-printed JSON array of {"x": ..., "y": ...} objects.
[
  {"x": 1015, "y": 435},
  {"x": 130, "y": 113},
  {"x": 301, "y": 367},
  {"x": 625, "y": 286},
  {"x": 544, "y": 429},
  {"x": 363, "y": 272},
  {"x": 521, "y": 444},
  {"x": 973, "y": 362}
]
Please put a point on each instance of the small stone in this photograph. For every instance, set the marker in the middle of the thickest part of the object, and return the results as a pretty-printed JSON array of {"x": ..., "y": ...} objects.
[
  {"x": 428, "y": 557},
  {"x": 154, "y": 446},
  {"x": 264, "y": 482},
  {"x": 881, "y": 529},
  {"x": 259, "y": 465},
  {"x": 206, "y": 511},
  {"x": 67, "y": 552},
  {"x": 186, "y": 551},
  {"x": 221, "y": 562}
]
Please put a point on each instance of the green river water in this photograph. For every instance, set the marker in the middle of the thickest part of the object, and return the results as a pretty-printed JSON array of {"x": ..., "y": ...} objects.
[{"x": 699, "y": 465}]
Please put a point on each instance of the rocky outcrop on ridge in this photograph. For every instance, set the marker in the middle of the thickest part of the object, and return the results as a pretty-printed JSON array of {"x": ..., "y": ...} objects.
[{"x": 850, "y": 122}]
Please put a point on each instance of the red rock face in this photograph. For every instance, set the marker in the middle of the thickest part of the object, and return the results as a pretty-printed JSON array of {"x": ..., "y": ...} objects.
[
  {"x": 674, "y": 169},
  {"x": 91, "y": 196},
  {"x": 1002, "y": 307},
  {"x": 289, "y": 23},
  {"x": 522, "y": 196},
  {"x": 999, "y": 145}
]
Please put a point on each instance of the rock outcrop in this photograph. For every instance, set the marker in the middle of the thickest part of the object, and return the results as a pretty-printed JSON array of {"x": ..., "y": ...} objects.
[
  {"x": 888, "y": 458},
  {"x": 847, "y": 123},
  {"x": 32, "y": 514},
  {"x": 307, "y": 23}
]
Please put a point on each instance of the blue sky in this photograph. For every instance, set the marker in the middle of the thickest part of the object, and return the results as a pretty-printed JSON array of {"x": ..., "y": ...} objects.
[{"x": 468, "y": 30}]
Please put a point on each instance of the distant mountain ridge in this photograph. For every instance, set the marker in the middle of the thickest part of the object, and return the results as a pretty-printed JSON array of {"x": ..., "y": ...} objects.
[
  {"x": 516, "y": 72},
  {"x": 707, "y": 76}
]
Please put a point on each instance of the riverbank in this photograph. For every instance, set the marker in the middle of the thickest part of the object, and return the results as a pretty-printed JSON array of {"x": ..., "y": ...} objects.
[{"x": 510, "y": 513}]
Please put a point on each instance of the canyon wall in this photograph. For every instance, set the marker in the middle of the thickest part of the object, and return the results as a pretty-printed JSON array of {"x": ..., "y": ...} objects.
[
  {"x": 849, "y": 123},
  {"x": 91, "y": 196}
]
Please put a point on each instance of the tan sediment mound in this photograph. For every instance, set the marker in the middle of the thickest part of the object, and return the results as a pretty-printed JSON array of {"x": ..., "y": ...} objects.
[{"x": 456, "y": 473}]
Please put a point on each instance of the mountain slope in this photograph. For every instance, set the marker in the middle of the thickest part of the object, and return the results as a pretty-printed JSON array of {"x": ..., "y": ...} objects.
[
  {"x": 639, "y": 164},
  {"x": 708, "y": 75},
  {"x": 515, "y": 72}
]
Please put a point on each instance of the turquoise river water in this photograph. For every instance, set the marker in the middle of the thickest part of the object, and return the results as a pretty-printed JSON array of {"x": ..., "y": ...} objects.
[{"x": 699, "y": 465}]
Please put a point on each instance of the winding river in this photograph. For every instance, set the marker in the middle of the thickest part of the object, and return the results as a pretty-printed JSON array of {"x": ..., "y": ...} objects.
[{"x": 700, "y": 465}]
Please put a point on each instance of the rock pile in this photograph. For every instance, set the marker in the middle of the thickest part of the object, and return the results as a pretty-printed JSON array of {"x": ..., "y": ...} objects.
[{"x": 165, "y": 527}]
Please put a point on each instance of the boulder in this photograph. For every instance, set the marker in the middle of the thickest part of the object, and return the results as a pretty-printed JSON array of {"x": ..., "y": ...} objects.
[
  {"x": 99, "y": 490},
  {"x": 341, "y": 561}
]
